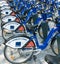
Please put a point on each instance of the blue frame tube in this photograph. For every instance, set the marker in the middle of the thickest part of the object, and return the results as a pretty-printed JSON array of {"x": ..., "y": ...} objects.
[{"x": 46, "y": 42}]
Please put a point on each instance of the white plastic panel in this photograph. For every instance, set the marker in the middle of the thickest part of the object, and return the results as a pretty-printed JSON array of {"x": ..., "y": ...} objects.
[
  {"x": 6, "y": 11},
  {"x": 21, "y": 40},
  {"x": 11, "y": 26},
  {"x": 8, "y": 18}
]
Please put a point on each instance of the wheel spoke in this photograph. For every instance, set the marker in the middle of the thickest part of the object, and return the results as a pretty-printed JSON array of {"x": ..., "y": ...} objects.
[{"x": 18, "y": 55}]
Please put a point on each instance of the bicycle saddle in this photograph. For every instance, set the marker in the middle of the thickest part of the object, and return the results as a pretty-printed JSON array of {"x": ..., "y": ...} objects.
[{"x": 52, "y": 59}]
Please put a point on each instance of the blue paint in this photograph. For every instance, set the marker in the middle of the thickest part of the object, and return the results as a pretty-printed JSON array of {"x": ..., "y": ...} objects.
[
  {"x": 46, "y": 42},
  {"x": 11, "y": 27},
  {"x": 18, "y": 44},
  {"x": 9, "y": 20},
  {"x": 44, "y": 16},
  {"x": 37, "y": 20}
]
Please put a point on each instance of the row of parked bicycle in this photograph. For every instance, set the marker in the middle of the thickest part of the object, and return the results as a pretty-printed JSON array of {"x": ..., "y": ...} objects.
[{"x": 22, "y": 20}]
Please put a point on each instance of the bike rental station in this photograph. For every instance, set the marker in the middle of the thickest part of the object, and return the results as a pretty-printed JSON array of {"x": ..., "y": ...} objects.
[{"x": 29, "y": 31}]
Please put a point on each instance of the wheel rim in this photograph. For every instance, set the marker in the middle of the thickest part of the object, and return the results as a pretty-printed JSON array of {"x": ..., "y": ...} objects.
[
  {"x": 17, "y": 57},
  {"x": 55, "y": 47},
  {"x": 25, "y": 54}
]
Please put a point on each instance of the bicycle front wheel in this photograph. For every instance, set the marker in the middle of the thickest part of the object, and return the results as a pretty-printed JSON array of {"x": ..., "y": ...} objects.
[{"x": 17, "y": 56}]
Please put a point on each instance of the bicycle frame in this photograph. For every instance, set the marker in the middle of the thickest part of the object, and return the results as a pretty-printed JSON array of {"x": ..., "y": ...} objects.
[
  {"x": 48, "y": 38},
  {"x": 46, "y": 42}
]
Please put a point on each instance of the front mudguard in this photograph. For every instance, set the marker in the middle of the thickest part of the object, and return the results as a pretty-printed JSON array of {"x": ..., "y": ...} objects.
[{"x": 20, "y": 42}]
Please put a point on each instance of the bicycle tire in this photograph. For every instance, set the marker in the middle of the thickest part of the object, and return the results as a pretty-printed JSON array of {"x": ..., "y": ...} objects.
[{"x": 52, "y": 45}]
